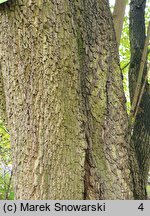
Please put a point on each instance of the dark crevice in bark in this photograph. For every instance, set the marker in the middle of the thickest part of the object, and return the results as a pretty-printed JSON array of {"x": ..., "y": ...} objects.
[
  {"x": 86, "y": 40},
  {"x": 3, "y": 115},
  {"x": 97, "y": 182},
  {"x": 84, "y": 99}
]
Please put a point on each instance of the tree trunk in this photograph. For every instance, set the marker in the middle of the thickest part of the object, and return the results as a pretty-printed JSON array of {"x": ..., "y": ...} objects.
[
  {"x": 64, "y": 100},
  {"x": 118, "y": 17},
  {"x": 141, "y": 131}
]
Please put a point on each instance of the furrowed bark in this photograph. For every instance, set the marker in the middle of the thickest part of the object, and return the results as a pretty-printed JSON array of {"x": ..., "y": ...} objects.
[
  {"x": 140, "y": 139},
  {"x": 65, "y": 100}
]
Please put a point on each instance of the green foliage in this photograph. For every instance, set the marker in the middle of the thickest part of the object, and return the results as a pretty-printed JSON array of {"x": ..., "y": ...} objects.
[
  {"x": 148, "y": 191},
  {"x": 2, "y": 1},
  {"x": 4, "y": 144},
  {"x": 6, "y": 190},
  {"x": 124, "y": 51}
]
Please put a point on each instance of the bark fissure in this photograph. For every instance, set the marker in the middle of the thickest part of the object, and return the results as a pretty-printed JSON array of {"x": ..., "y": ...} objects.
[
  {"x": 96, "y": 166},
  {"x": 2, "y": 100},
  {"x": 65, "y": 100}
]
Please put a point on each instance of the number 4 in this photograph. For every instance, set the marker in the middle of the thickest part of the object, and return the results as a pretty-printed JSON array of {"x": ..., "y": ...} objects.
[{"x": 141, "y": 207}]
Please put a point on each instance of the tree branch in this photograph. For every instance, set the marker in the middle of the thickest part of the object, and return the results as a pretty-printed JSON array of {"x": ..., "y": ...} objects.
[
  {"x": 118, "y": 18},
  {"x": 125, "y": 66},
  {"x": 137, "y": 93}
]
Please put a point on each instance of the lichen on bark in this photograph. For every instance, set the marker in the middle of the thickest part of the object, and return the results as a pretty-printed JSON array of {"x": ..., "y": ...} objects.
[{"x": 64, "y": 100}]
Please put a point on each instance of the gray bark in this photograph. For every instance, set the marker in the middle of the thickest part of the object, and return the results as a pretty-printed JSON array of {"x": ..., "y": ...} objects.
[{"x": 140, "y": 139}]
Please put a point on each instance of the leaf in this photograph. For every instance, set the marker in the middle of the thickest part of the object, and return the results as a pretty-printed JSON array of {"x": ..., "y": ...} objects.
[{"x": 2, "y": 1}]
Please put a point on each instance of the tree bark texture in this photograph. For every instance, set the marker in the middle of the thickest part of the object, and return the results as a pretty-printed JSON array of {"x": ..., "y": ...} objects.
[
  {"x": 64, "y": 100},
  {"x": 140, "y": 140},
  {"x": 2, "y": 100}
]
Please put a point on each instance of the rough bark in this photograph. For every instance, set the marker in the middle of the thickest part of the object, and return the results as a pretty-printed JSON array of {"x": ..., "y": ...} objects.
[
  {"x": 118, "y": 17},
  {"x": 2, "y": 100},
  {"x": 64, "y": 100},
  {"x": 140, "y": 140}
]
